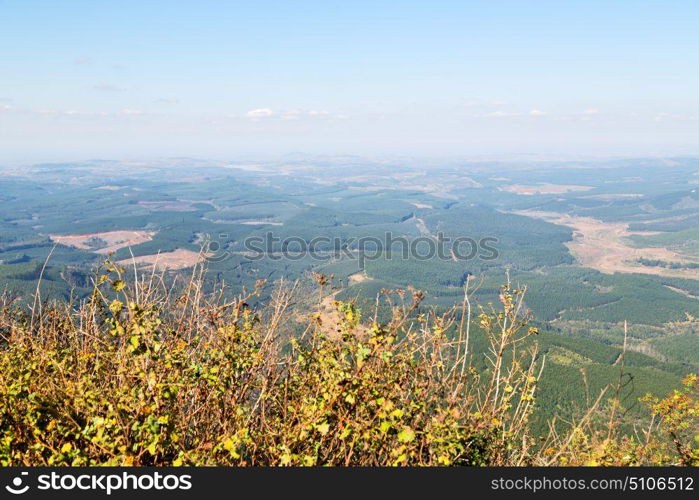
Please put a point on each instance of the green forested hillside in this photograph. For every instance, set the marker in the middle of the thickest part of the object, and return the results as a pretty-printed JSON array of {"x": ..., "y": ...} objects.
[{"x": 579, "y": 310}]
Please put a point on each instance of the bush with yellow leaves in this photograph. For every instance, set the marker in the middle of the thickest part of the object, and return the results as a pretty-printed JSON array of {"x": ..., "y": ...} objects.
[{"x": 137, "y": 377}]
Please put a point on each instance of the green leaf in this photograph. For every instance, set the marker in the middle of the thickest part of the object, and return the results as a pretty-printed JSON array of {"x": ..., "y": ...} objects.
[
  {"x": 135, "y": 341},
  {"x": 362, "y": 353}
]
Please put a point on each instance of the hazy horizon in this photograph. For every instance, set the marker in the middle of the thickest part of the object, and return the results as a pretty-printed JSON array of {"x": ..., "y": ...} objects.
[{"x": 532, "y": 160}]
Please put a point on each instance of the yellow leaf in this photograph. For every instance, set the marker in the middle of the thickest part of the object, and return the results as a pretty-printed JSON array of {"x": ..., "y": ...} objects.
[
  {"x": 398, "y": 413},
  {"x": 406, "y": 435}
]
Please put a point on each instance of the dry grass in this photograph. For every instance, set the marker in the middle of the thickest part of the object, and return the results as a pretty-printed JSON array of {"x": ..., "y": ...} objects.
[{"x": 146, "y": 374}]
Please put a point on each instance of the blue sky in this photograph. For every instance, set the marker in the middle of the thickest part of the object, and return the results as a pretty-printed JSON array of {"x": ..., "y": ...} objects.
[{"x": 219, "y": 79}]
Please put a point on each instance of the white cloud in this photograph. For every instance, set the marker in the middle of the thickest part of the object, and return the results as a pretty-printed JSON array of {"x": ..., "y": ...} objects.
[
  {"x": 73, "y": 112},
  {"x": 590, "y": 111},
  {"x": 511, "y": 114},
  {"x": 260, "y": 113}
]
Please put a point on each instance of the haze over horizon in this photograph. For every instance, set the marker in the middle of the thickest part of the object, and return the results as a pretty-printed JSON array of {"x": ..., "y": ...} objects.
[{"x": 592, "y": 78}]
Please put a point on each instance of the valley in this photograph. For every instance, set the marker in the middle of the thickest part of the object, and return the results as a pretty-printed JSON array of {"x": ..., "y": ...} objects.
[{"x": 593, "y": 246}]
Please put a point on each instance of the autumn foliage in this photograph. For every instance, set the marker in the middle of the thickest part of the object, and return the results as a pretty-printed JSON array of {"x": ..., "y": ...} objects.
[{"x": 139, "y": 375}]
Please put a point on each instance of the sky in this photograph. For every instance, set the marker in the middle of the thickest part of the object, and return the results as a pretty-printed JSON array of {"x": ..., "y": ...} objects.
[{"x": 227, "y": 79}]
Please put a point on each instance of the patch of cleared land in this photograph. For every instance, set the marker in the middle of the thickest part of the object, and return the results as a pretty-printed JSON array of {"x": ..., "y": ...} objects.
[
  {"x": 604, "y": 246},
  {"x": 543, "y": 189},
  {"x": 103, "y": 243},
  {"x": 421, "y": 205},
  {"x": 359, "y": 277},
  {"x": 173, "y": 261}
]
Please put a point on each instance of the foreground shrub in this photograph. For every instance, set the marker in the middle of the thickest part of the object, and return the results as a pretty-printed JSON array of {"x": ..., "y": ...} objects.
[{"x": 134, "y": 377}]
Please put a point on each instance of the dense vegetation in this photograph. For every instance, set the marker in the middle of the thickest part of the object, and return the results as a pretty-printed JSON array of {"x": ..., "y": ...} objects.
[
  {"x": 134, "y": 376},
  {"x": 580, "y": 313},
  {"x": 666, "y": 264}
]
